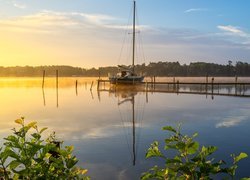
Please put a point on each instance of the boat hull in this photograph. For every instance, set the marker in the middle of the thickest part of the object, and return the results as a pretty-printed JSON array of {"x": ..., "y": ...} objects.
[{"x": 126, "y": 80}]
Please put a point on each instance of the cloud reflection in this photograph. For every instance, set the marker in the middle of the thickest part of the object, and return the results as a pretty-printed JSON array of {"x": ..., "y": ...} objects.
[{"x": 231, "y": 121}]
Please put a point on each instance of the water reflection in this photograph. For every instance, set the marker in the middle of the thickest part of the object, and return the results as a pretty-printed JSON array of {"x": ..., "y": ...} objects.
[
  {"x": 44, "y": 99},
  {"x": 131, "y": 114},
  {"x": 130, "y": 97},
  {"x": 109, "y": 140}
]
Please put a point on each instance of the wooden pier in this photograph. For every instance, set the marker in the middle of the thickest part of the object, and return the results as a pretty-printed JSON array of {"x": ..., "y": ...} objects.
[{"x": 203, "y": 88}]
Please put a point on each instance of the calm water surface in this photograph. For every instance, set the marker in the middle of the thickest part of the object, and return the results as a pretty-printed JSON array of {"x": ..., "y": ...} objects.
[{"x": 100, "y": 126}]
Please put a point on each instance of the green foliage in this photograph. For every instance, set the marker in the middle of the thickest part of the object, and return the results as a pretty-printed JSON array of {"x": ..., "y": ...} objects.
[
  {"x": 190, "y": 161},
  {"x": 26, "y": 155}
]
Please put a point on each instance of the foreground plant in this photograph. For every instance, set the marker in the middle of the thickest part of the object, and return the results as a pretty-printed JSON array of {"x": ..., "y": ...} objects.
[
  {"x": 190, "y": 161},
  {"x": 26, "y": 155}
]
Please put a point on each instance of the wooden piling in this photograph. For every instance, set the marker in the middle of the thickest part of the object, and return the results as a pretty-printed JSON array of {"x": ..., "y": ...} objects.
[
  {"x": 43, "y": 78},
  {"x": 76, "y": 87},
  {"x": 235, "y": 87},
  {"x": 153, "y": 82},
  {"x": 57, "y": 79},
  {"x": 91, "y": 85},
  {"x": 212, "y": 88},
  {"x": 98, "y": 84},
  {"x": 146, "y": 89},
  {"x": 212, "y": 85},
  {"x": 177, "y": 88},
  {"x": 57, "y": 102}
]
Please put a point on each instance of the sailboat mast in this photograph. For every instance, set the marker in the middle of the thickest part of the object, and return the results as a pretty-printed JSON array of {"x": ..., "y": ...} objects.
[{"x": 133, "y": 57}]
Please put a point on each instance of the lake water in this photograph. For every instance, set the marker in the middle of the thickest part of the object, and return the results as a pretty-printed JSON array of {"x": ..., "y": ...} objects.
[{"x": 100, "y": 125}]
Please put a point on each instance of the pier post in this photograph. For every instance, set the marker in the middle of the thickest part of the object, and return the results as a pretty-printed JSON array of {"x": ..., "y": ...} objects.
[
  {"x": 152, "y": 83},
  {"x": 235, "y": 86},
  {"x": 174, "y": 85},
  {"x": 212, "y": 86},
  {"x": 177, "y": 89},
  {"x": 57, "y": 102},
  {"x": 146, "y": 86},
  {"x": 206, "y": 83},
  {"x": 43, "y": 78},
  {"x": 91, "y": 85},
  {"x": 146, "y": 92},
  {"x": 98, "y": 83},
  {"x": 76, "y": 87}
]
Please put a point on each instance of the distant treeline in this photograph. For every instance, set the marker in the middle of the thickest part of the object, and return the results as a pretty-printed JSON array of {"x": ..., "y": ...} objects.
[{"x": 152, "y": 69}]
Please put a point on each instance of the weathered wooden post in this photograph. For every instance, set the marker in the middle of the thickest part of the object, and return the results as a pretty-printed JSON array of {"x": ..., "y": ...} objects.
[
  {"x": 152, "y": 82},
  {"x": 76, "y": 87},
  {"x": 57, "y": 79},
  {"x": 212, "y": 86},
  {"x": 177, "y": 89},
  {"x": 43, "y": 78},
  {"x": 174, "y": 85},
  {"x": 57, "y": 103},
  {"x": 206, "y": 83},
  {"x": 91, "y": 85},
  {"x": 98, "y": 84},
  {"x": 235, "y": 86}
]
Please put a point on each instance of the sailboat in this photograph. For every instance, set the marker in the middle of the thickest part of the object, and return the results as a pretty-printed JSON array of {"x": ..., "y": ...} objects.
[{"x": 128, "y": 75}]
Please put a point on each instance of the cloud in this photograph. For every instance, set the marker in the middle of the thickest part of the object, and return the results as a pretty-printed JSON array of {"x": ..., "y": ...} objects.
[
  {"x": 18, "y": 5},
  {"x": 194, "y": 10},
  {"x": 158, "y": 42},
  {"x": 46, "y": 20},
  {"x": 232, "y": 29},
  {"x": 235, "y": 34}
]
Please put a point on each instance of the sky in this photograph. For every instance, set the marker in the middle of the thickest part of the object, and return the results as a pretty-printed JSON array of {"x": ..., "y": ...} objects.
[{"x": 94, "y": 33}]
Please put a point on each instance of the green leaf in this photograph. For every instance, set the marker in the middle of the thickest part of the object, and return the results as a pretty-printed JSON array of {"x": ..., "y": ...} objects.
[
  {"x": 208, "y": 150},
  {"x": 11, "y": 138},
  {"x": 43, "y": 129},
  {"x": 170, "y": 146},
  {"x": 169, "y": 128},
  {"x": 36, "y": 135},
  {"x": 32, "y": 125},
  {"x": 71, "y": 163},
  {"x": 195, "y": 135},
  {"x": 19, "y": 121},
  {"x": 193, "y": 148},
  {"x": 14, "y": 164},
  {"x": 180, "y": 146},
  {"x": 154, "y": 151},
  {"x": 240, "y": 156},
  {"x": 171, "y": 161}
]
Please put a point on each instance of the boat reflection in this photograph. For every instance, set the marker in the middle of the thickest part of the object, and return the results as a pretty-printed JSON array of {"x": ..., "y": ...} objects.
[{"x": 127, "y": 98}]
